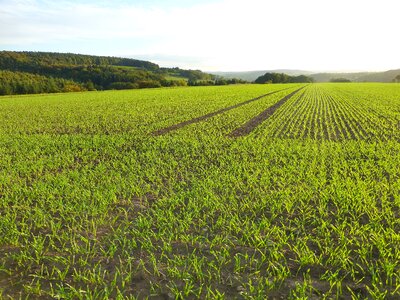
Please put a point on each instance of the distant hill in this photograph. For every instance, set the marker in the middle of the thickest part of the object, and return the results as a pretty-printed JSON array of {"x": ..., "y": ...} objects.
[
  {"x": 253, "y": 75},
  {"x": 45, "y": 72},
  {"x": 326, "y": 77},
  {"x": 387, "y": 76}
]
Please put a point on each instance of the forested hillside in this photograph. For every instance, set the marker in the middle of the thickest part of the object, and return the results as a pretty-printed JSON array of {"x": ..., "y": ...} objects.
[
  {"x": 283, "y": 78},
  {"x": 42, "y": 72}
]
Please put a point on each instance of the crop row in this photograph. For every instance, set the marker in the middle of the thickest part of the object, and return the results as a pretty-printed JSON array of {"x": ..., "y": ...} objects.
[
  {"x": 318, "y": 114},
  {"x": 110, "y": 211},
  {"x": 137, "y": 112}
]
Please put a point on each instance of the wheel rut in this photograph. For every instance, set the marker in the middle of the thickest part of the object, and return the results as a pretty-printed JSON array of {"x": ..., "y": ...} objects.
[
  {"x": 250, "y": 125},
  {"x": 168, "y": 129}
]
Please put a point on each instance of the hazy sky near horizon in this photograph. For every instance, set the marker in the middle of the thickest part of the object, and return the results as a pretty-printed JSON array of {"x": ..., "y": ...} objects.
[{"x": 212, "y": 35}]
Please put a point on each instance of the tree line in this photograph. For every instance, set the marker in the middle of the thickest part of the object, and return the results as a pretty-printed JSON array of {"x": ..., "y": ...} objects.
[
  {"x": 42, "y": 72},
  {"x": 14, "y": 83},
  {"x": 28, "y": 61},
  {"x": 340, "y": 79},
  {"x": 283, "y": 78}
]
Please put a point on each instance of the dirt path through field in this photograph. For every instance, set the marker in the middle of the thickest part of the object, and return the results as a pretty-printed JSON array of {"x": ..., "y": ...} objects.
[
  {"x": 209, "y": 115},
  {"x": 257, "y": 120}
]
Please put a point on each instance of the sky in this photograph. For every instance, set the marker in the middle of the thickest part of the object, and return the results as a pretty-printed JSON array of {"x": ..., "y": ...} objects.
[{"x": 213, "y": 35}]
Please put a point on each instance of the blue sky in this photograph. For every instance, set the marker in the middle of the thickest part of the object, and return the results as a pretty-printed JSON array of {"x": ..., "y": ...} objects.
[{"x": 212, "y": 35}]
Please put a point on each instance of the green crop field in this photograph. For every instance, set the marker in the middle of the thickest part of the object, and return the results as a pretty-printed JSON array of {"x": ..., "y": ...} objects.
[{"x": 234, "y": 192}]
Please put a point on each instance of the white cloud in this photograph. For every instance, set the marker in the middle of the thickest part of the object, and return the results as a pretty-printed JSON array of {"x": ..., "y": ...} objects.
[{"x": 225, "y": 35}]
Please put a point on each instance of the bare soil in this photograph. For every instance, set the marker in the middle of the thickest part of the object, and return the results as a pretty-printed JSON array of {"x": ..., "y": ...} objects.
[{"x": 249, "y": 126}]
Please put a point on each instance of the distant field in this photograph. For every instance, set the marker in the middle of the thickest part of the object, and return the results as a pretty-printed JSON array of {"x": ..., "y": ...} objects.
[
  {"x": 248, "y": 192},
  {"x": 175, "y": 77}
]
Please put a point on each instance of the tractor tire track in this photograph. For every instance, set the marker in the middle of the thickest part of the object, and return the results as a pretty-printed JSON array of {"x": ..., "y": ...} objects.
[
  {"x": 257, "y": 120},
  {"x": 209, "y": 115}
]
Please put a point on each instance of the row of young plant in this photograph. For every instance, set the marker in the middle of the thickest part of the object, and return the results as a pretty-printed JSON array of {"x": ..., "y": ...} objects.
[
  {"x": 320, "y": 113},
  {"x": 103, "y": 213},
  {"x": 181, "y": 218},
  {"x": 136, "y": 112},
  {"x": 59, "y": 171},
  {"x": 378, "y": 102}
]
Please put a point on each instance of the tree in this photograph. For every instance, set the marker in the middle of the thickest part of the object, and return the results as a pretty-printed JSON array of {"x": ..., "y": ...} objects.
[
  {"x": 397, "y": 78},
  {"x": 340, "y": 80},
  {"x": 283, "y": 78},
  {"x": 90, "y": 85},
  {"x": 302, "y": 79},
  {"x": 41, "y": 72}
]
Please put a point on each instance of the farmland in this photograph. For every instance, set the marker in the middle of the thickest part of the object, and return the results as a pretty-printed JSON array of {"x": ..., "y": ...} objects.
[{"x": 247, "y": 192}]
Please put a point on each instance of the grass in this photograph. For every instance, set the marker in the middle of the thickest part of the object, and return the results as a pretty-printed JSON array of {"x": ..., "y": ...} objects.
[{"x": 92, "y": 206}]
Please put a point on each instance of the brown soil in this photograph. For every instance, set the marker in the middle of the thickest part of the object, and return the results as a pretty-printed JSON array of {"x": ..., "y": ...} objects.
[{"x": 257, "y": 120}]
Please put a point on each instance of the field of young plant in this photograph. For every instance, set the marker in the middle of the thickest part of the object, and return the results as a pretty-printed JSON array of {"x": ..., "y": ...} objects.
[{"x": 233, "y": 192}]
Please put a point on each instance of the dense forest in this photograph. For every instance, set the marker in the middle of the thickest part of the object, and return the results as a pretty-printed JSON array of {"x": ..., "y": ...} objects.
[
  {"x": 283, "y": 78},
  {"x": 13, "y": 83},
  {"x": 42, "y": 72}
]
